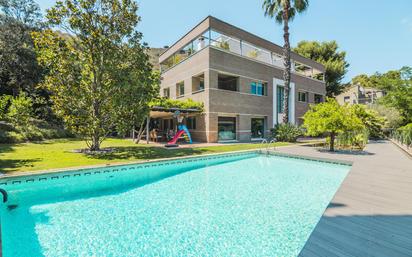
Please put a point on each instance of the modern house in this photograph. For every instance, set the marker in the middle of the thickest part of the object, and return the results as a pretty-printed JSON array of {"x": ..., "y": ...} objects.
[
  {"x": 238, "y": 77},
  {"x": 356, "y": 94}
]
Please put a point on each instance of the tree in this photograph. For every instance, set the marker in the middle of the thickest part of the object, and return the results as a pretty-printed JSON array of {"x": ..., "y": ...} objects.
[
  {"x": 99, "y": 73},
  {"x": 327, "y": 53},
  {"x": 19, "y": 70},
  {"x": 283, "y": 11},
  {"x": 393, "y": 118},
  {"x": 331, "y": 118},
  {"x": 372, "y": 121}
]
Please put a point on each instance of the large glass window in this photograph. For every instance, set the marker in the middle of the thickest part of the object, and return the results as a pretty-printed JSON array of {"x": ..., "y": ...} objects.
[
  {"x": 226, "y": 128},
  {"x": 280, "y": 98},
  {"x": 166, "y": 92},
  {"x": 180, "y": 89},
  {"x": 303, "y": 97},
  {"x": 198, "y": 83},
  {"x": 258, "y": 88},
  {"x": 258, "y": 127},
  {"x": 227, "y": 82},
  {"x": 191, "y": 122},
  {"x": 318, "y": 98}
]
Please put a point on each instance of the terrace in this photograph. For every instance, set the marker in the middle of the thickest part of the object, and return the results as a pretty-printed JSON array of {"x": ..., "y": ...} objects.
[
  {"x": 371, "y": 214},
  {"x": 235, "y": 44}
]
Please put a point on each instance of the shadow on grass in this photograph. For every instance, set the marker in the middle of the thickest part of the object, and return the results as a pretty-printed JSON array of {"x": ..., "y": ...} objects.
[
  {"x": 15, "y": 164},
  {"x": 9, "y": 165},
  {"x": 124, "y": 153}
]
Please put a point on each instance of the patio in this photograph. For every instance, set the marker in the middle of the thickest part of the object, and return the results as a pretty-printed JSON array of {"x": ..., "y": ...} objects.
[{"x": 371, "y": 213}]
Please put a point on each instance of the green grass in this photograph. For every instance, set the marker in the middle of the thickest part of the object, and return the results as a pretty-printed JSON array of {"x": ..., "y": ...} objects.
[{"x": 55, "y": 154}]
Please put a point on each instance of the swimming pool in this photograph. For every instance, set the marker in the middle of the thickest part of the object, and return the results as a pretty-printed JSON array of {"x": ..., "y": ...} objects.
[{"x": 240, "y": 204}]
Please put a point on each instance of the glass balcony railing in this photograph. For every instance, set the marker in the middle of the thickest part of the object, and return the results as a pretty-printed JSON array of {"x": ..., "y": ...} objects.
[{"x": 240, "y": 47}]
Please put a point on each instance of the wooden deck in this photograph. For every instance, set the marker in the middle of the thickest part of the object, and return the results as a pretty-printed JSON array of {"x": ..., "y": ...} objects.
[{"x": 371, "y": 214}]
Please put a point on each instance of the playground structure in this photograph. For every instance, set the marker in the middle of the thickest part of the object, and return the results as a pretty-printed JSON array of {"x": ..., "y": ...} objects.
[{"x": 182, "y": 130}]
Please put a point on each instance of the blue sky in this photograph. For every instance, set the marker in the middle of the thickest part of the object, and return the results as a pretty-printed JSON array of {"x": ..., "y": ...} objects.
[{"x": 377, "y": 35}]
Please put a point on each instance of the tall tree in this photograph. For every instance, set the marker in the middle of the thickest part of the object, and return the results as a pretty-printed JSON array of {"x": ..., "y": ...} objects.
[
  {"x": 327, "y": 53},
  {"x": 99, "y": 73},
  {"x": 283, "y": 11},
  {"x": 19, "y": 69}
]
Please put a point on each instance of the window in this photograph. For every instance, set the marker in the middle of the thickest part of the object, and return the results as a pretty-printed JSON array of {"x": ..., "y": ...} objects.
[
  {"x": 191, "y": 122},
  {"x": 258, "y": 127},
  {"x": 280, "y": 98},
  {"x": 166, "y": 92},
  {"x": 226, "y": 128},
  {"x": 346, "y": 99},
  {"x": 198, "y": 83},
  {"x": 318, "y": 99},
  {"x": 180, "y": 89},
  {"x": 303, "y": 97},
  {"x": 258, "y": 88},
  {"x": 227, "y": 82}
]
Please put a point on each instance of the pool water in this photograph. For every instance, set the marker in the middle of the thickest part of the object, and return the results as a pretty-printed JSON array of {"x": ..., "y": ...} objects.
[{"x": 236, "y": 205}]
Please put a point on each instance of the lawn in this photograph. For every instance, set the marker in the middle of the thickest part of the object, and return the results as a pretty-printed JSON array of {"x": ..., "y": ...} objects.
[{"x": 55, "y": 154}]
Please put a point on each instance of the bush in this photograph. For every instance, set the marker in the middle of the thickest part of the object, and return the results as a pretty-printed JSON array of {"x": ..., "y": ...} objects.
[
  {"x": 20, "y": 111},
  {"x": 353, "y": 139},
  {"x": 286, "y": 132},
  {"x": 404, "y": 134},
  {"x": 372, "y": 121},
  {"x": 10, "y": 137},
  {"x": 37, "y": 131},
  {"x": 393, "y": 118}
]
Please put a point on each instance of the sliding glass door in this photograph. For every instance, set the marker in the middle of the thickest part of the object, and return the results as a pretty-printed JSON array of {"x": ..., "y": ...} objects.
[{"x": 226, "y": 128}]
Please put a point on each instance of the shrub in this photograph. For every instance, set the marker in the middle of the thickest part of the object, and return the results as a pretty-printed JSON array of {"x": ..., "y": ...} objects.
[
  {"x": 4, "y": 104},
  {"x": 393, "y": 118},
  {"x": 353, "y": 139},
  {"x": 287, "y": 132},
  {"x": 10, "y": 137},
  {"x": 404, "y": 134},
  {"x": 372, "y": 121},
  {"x": 20, "y": 111}
]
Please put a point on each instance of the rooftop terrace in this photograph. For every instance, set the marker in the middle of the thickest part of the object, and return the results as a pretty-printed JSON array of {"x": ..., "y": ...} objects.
[{"x": 212, "y": 32}]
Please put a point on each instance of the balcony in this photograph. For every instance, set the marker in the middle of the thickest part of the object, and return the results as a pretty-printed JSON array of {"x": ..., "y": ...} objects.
[{"x": 212, "y": 38}]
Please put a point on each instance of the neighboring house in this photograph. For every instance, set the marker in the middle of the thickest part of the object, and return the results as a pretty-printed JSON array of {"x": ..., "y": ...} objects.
[
  {"x": 154, "y": 54},
  {"x": 238, "y": 77},
  {"x": 357, "y": 94}
]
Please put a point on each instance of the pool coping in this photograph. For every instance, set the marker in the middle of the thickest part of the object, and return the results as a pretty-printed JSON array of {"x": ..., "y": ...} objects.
[
  {"x": 109, "y": 165},
  {"x": 83, "y": 169}
]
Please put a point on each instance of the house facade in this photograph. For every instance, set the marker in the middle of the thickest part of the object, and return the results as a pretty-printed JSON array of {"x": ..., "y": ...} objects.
[
  {"x": 238, "y": 77},
  {"x": 356, "y": 94}
]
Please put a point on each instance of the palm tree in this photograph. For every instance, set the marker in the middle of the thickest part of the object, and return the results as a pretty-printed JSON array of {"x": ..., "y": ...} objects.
[{"x": 284, "y": 11}]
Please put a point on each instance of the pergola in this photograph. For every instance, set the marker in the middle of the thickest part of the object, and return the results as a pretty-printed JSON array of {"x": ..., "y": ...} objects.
[{"x": 164, "y": 112}]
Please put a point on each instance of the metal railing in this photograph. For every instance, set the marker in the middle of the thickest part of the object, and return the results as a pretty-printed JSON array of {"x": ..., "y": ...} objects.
[
  {"x": 266, "y": 145},
  {"x": 4, "y": 193}
]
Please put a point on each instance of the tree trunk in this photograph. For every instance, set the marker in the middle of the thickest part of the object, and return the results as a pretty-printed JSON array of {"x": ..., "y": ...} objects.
[
  {"x": 286, "y": 62},
  {"x": 332, "y": 142},
  {"x": 140, "y": 132},
  {"x": 95, "y": 142}
]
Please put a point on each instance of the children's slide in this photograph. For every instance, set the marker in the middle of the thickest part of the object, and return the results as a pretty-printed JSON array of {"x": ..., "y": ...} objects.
[{"x": 182, "y": 130}]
